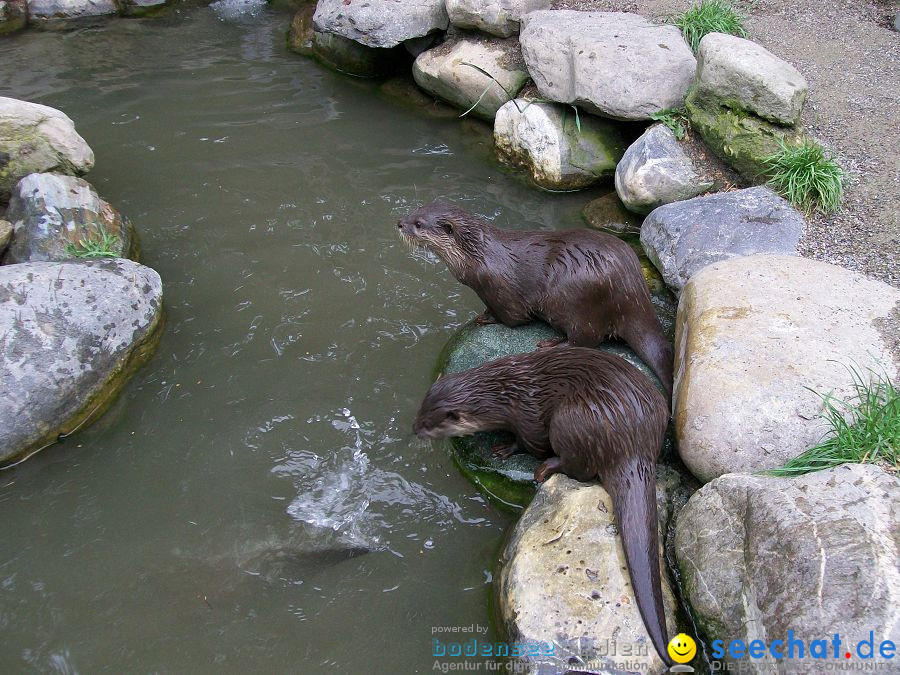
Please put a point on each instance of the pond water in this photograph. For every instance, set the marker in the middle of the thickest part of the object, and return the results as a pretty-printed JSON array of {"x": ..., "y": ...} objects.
[{"x": 217, "y": 515}]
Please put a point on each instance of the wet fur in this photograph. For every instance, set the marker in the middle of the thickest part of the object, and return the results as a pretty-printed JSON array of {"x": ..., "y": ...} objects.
[
  {"x": 588, "y": 414},
  {"x": 587, "y": 285}
]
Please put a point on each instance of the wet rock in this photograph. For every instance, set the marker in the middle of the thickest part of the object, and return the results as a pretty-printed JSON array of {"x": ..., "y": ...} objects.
[
  {"x": 58, "y": 217},
  {"x": 381, "y": 23},
  {"x": 42, "y": 11},
  {"x": 445, "y": 72},
  {"x": 508, "y": 483},
  {"x": 614, "y": 64},
  {"x": 816, "y": 555},
  {"x": 71, "y": 334},
  {"x": 741, "y": 74},
  {"x": 683, "y": 237},
  {"x": 302, "y": 31},
  {"x": 405, "y": 90},
  {"x": 609, "y": 214},
  {"x": 497, "y": 17},
  {"x": 545, "y": 140},
  {"x": 13, "y": 15},
  {"x": 739, "y": 138},
  {"x": 36, "y": 138},
  {"x": 141, "y": 7},
  {"x": 564, "y": 580},
  {"x": 758, "y": 340},
  {"x": 656, "y": 169},
  {"x": 5, "y": 235}
]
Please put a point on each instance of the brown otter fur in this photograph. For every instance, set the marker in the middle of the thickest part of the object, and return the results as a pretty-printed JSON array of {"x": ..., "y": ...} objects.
[
  {"x": 587, "y": 285},
  {"x": 587, "y": 414}
]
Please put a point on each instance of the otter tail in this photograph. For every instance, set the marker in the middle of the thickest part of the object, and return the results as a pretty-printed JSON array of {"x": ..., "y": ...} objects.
[
  {"x": 649, "y": 342},
  {"x": 633, "y": 492}
]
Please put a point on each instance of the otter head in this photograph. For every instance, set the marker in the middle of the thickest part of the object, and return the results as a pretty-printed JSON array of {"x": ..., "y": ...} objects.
[
  {"x": 453, "y": 234},
  {"x": 449, "y": 409}
]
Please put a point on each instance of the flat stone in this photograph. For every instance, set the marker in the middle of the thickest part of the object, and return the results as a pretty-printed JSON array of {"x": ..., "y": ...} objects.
[
  {"x": 71, "y": 334},
  {"x": 545, "y": 140},
  {"x": 739, "y": 73},
  {"x": 759, "y": 340},
  {"x": 614, "y": 64},
  {"x": 141, "y": 7},
  {"x": 380, "y": 23},
  {"x": 45, "y": 10},
  {"x": 53, "y": 216},
  {"x": 497, "y": 17},
  {"x": 608, "y": 213},
  {"x": 36, "y": 138},
  {"x": 564, "y": 581},
  {"x": 816, "y": 555},
  {"x": 683, "y": 237},
  {"x": 657, "y": 170},
  {"x": 451, "y": 72}
]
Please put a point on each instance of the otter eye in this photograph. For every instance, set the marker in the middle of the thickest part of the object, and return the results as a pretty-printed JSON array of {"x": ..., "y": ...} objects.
[{"x": 419, "y": 223}]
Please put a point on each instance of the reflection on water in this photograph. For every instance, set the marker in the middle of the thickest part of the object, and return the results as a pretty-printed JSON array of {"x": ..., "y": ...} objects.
[{"x": 256, "y": 500}]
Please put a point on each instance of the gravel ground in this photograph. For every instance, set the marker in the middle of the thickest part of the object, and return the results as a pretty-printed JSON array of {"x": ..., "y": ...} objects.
[{"x": 850, "y": 57}]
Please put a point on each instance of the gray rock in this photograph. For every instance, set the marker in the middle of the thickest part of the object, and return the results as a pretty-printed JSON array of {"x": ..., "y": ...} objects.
[
  {"x": 564, "y": 580},
  {"x": 380, "y": 23},
  {"x": 141, "y": 7},
  {"x": 607, "y": 213},
  {"x": 545, "y": 140},
  {"x": 13, "y": 15},
  {"x": 497, "y": 17},
  {"x": 816, "y": 555},
  {"x": 614, "y": 64},
  {"x": 71, "y": 334},
  {"x": 683, "y": 237},
  {"x": 40, "y": 11},
  {"x": 444, "y": 72},
  {"x": 36, "y": 138},
  {"x": 758, "y": 340},
  {"x": 656, "y": 170},
  {"x": 742, "y": 74},
  {"x": 53, "y": 216}
]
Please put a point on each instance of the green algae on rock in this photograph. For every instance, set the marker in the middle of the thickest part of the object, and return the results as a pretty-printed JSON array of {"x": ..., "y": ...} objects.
[{"x": 741, "y": 139}]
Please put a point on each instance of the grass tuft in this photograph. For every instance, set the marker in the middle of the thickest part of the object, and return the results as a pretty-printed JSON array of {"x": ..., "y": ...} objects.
[
  {"x": 674, "y": 118},
  {"x": 710, "y": 16},
  {"x": 102, "y": 246},
  {"x": 807, "y": 176},
  {"x": 865, "y": 428}
]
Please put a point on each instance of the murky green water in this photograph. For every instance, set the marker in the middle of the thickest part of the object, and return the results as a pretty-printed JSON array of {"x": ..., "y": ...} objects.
[{"x": 184, "y": 532}]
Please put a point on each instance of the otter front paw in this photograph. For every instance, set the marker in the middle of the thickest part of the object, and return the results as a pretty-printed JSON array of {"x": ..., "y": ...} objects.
[{"x": 504, "y": 450}]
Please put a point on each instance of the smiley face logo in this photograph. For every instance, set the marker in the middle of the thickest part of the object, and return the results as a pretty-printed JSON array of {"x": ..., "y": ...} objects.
[{"x": 682, "y": 648}]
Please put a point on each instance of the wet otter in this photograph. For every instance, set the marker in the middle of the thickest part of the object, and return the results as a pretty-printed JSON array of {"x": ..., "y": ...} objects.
[
  {"x": 586, "y": 413},
  {"x": 587, "y": 285}
]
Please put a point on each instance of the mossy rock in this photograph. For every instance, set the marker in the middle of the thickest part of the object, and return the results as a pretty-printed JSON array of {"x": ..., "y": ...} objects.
[
  {"x": 739, "y": 138},
  {"x": 507, "y": 483}
]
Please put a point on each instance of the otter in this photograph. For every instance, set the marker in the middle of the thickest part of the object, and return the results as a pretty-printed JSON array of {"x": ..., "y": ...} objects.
[
  {"x": 587, "y": 414},
  {"x": 587, "y": 285}
]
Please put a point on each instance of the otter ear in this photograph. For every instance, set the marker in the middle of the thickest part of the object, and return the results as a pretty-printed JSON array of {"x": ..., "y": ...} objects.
[{"x": 448, "y": 228}]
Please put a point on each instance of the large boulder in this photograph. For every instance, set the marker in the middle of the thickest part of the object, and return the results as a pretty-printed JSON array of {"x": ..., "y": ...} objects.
[
  {"x": 564, "y": 582},
  {"x": 453, "y": 72},
  {"x": 380, "y": 23},
  {"x": 71, "y": 334},
  {"x": 58, "y": 217},
  {"x": 759, "y": 340},
  {"x": 743, "y": 140},
  {"x": 657, "y": 169},
  {"x": 43, "y": 11},
  {"x": 614, "y": 64},
  {"x": 561, "y": 149},
  {"x": 13, "y": 15},
  {"x": 36, "y": 138},
  {"x": 497, "y": 17},
  {"x": 744, "y": 75},
  {"x": 816, "y": 555},
  {"x": 683, "y": 237}
]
